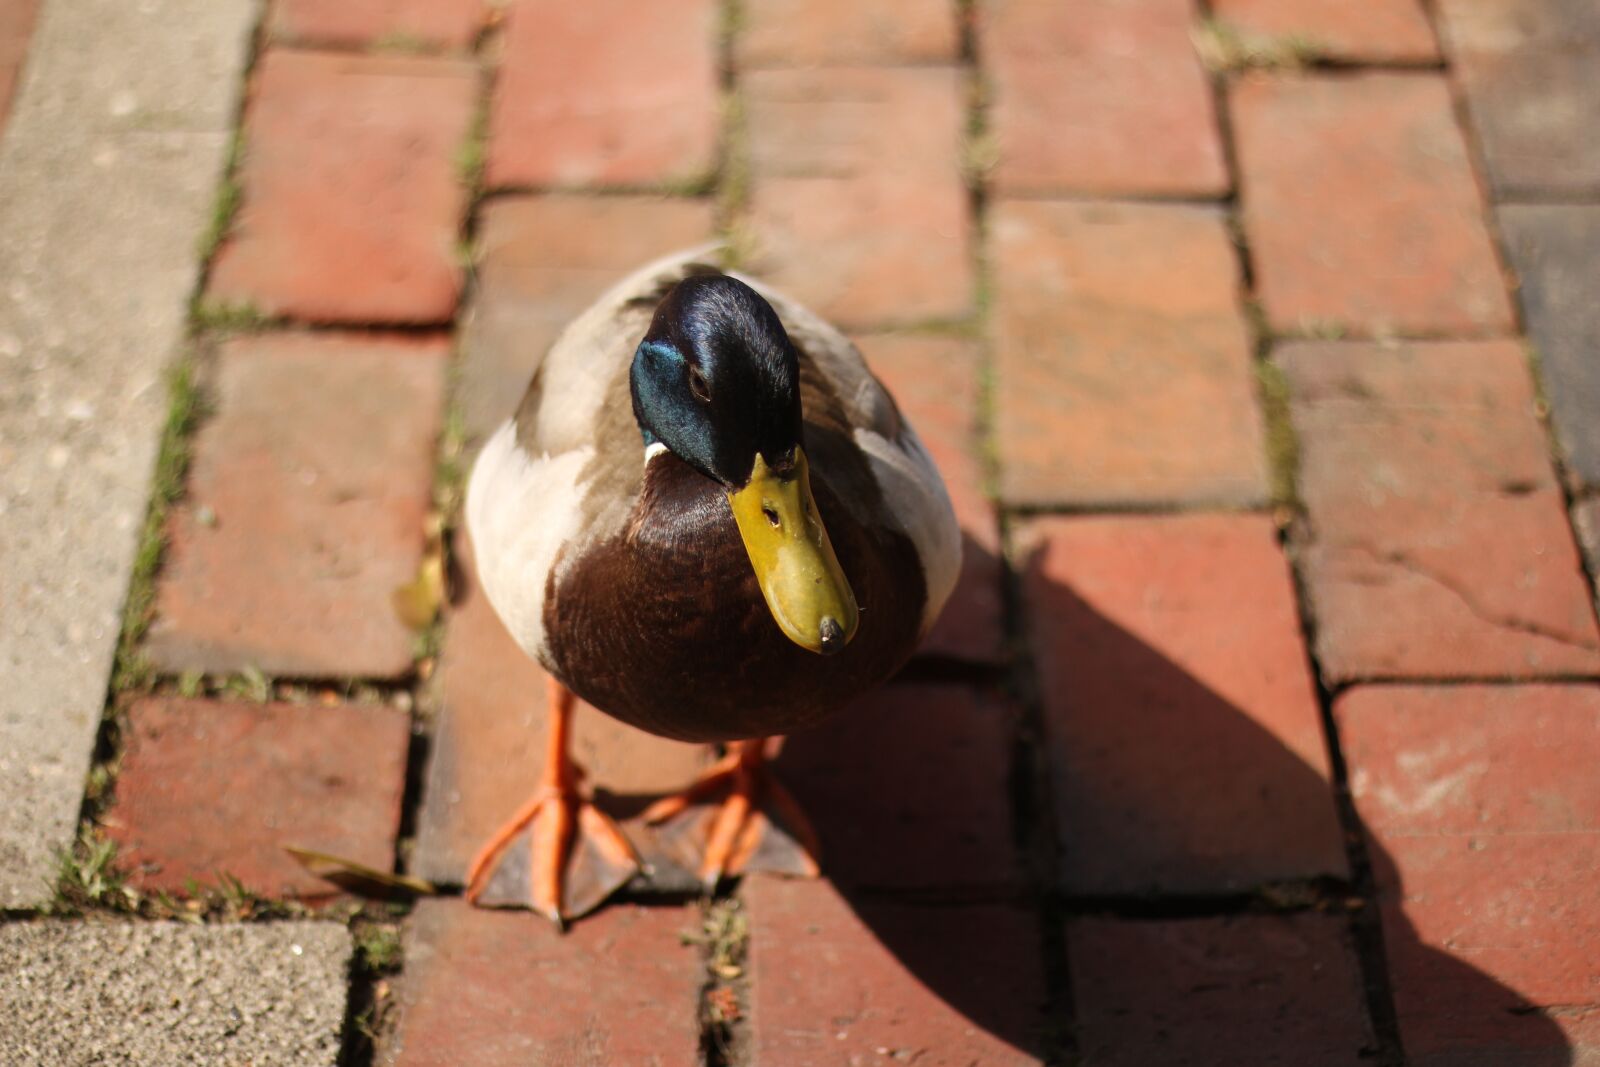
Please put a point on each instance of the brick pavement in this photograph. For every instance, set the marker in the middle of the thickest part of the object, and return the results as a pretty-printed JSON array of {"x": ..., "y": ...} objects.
[{"x": 1261, "y": 724}]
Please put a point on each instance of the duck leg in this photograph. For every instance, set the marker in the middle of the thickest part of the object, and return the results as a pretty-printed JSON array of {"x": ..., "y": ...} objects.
[
  {"x": 559, "y": 854},
  {"x": 757, "y": 824}
]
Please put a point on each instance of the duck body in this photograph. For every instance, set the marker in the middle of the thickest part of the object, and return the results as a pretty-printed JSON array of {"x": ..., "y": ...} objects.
[{"x": 619, "y": 566}]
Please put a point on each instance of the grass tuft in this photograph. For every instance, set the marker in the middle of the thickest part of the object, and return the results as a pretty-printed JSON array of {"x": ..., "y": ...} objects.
[
  {"x": 88, "y": 877},
  {"x": 1283, "y": 447},
  {"x": 1227, "y": 49}
]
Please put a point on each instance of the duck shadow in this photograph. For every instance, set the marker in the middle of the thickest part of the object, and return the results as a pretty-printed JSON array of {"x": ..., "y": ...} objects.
[{"x": 939, "y": 829}]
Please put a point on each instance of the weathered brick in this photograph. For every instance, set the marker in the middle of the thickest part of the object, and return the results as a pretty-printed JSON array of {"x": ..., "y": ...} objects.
[
  {"x": 352, "y": 204},
  {"x": 307, "y": 497},
  {"x": 858, "y": 208},
  {"x": 208, "y": 789},
  {"x": 1122, "y": 359},
  {"x": 488, "y": 746},
  {"x": 1437, "y": 544},
  {"x": 1217, "y": 992},
  {"x": 543, "y": 260},
  {"x": 1106, "y": 96},
  {"x": 938, "y": 985},
  {"x": 935, "y": 382},
  {"x": 1535, "y": 111},
  {"x": 605, "y": 93},
  {"x": 16, "y": 29},
  {"x": 1484, "y": 816},
  {"x": 1380, "y": 31},
  {"x": 358, "y": 23},
  {"x": 1556, "y": 252},
  {"x": 1496, "y": 25},
  {"x": 908, "y": 789},
  {"x": 786, "y": 33},
  {"x": 1158, "y": 639},
  {"x": 499, "y": 989},
  {"x": 1586, "y": 518},
  {"x": 1406, "y": 250}
]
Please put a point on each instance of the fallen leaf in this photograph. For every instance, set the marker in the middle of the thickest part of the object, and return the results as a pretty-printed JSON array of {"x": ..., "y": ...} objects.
[{"x": 357, "y": 877}]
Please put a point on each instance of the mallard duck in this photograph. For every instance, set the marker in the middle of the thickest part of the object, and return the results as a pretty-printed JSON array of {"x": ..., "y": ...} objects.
[{"x": 710, "y": 520}]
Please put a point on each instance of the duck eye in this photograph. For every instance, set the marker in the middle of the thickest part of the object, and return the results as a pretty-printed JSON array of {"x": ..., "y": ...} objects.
[{"x": 698, "y": 386}]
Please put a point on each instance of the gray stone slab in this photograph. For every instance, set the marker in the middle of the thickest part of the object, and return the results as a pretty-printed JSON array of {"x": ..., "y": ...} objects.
[
  {"x": 1556, "y": 252},
  {"x": 169, "y": 993},
  {"x": 108, "y": 169},
  {"x": 1586, "y": 517}
]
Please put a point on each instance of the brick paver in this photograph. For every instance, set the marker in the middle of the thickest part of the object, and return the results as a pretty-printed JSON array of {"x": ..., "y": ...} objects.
[
  {"x": 208, "y": 789},
  {"x": 489, "y": 747},
  {"x": 1122, "y": 359},
  {"x": 392, "y": 24},
  {"x": 1105, "y": 97},
  {"x": 1407, "y": 250},
  {"x": 858, "y": 208},
  {"x": 502, "y": 989},
  {"x": 306, "y": 508},
  {"x": 790, "y": 33},
  {"x": 936, "y": 761},
  {"x": 352, "y": 196},
  {"x": 542, "y": 260},
  {"x": 935, "y": 382},
  {"x": 1437, "y": 545},
  {"x": 16, "y": 29},
  {"x": 1526, "y": 68},
  {"x": 1157, "y": 639},
  {"x": 1556, "y": 252},
  {"x": 1376, "y": 31},
  {"x": 1484, "y": 815},
  {"x": 840, "y": 980},
  {"x": 605, "y": 93},
  {"x": 1216, "y": 992}
]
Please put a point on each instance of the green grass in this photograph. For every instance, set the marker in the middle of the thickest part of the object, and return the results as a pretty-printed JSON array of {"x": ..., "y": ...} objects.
[
  {"x": 185, "y": 409},
  {"x": 1283, "y": 447},
  {"x": 473, "y": 151},
  {"x": 225, "y": 205},
  {"x": 88, "y": 877},
  {"x": 222, "y": 317}
]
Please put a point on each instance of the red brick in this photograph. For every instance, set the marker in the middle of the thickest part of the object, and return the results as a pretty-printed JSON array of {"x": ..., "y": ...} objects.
[
  {"x": 497, "y": 989},
  {"x": 357, "y": 23},
  {"x": 1122, "y": 358},
  {"x": 785, "y": 33},
  {"x": 1484, "y": 814},
  {"x": 1377, "y": 31},
  {"x": 867, "y": 253},
  {"x": 1217, "y": 992},
  {"x": 352, "y": 203},
  {"x": 935, "y": 382},
  {"x": 1406, "y": 251},
  {"x": 305, "y": 511},
  {"x": 605, "y": 93},
  {"x": 908, "y": 789},
  {"x": 544, "y": 259},
  {"x": 854, "y": 122},
  {"x": 1184, "y": 735},
  {"x": 1105, "y": 96},
  {"x": 1438, "y": 545},
  {"x": 16, "y": 30},
  {"x": 208, "y": 789},
  {"x": 844, "y": 981},
  {"x": 488, "y": 746},
  {"x": 858, "y": 207}
]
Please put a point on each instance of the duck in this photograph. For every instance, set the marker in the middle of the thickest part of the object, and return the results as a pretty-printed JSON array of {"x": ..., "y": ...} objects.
[{"x": 708, "y": 519}]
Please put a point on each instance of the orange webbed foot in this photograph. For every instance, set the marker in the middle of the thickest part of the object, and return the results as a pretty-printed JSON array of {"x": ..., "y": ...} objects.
[{"x": 737, "y": 817}]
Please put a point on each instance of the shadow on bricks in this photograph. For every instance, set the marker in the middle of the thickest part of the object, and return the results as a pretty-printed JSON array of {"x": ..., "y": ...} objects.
[{"x": 1174, "y": 806}]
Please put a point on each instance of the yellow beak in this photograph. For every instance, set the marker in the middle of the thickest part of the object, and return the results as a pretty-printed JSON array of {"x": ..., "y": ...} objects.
[{"x": 800, "y": 577}]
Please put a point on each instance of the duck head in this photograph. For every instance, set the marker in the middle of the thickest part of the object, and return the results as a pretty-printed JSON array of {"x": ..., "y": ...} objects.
[{"x": 717, "y": 382}]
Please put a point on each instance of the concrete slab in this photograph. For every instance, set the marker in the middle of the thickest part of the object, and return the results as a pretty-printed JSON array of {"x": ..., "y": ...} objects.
[
  {"x": 161, "y": 993},
  {"x": 108, "y": 167}
]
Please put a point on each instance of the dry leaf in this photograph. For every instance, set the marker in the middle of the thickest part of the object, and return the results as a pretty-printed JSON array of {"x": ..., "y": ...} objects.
[
  {"x": 417, "y": 602},
  {"x": 357, "y": 877}
]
